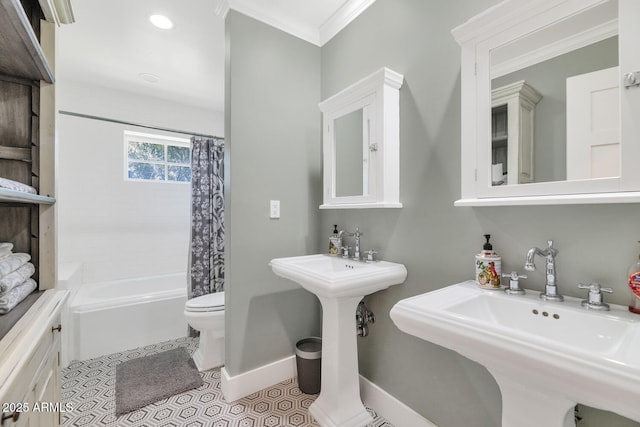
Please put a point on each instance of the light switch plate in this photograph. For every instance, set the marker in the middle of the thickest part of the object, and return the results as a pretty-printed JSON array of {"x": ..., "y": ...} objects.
[{"x": 274, "y": 209}]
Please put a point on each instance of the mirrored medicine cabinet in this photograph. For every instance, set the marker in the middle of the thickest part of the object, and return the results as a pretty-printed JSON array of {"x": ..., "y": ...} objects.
[
  {"x": 361, "y": 144},
  {"x": 549, "y": 97}
]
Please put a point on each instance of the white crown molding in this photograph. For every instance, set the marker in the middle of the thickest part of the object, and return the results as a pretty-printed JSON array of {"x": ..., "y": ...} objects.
[
  {"x": 341, "y": 18},
  {"x": 508, "y": 13},
  {"x": 373, "y": 83},
  {"x": 57, "y": 11},
  {"x": 317, "y": 36},
  {"x": 560, "y": 47},
  {"x": 222, "y": 8},
  {"x": 290, "y": 26}
]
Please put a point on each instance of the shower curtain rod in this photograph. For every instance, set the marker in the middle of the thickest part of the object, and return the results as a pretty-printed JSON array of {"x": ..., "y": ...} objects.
[{"x": 122, "y": 122}]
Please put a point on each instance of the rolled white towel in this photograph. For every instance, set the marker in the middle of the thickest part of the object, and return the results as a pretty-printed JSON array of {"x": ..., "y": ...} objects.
[
  {"x": 10, "y": 299},
  {"x": 10, "y": 184},
  {"x": 13, "y": 262},
  {"x": 16, "y": 278},
  {"x": 5, "y": 249}
]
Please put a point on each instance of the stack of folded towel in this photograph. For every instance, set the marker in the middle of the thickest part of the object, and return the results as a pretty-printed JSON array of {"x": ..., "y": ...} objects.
[
  {"x": 15, "y": 277},
  {"x": 16, "y": 186}
]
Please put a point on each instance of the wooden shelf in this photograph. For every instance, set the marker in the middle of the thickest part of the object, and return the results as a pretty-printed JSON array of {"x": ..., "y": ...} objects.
[
  {"x": 16, "y": 39},
  {"x": 21, "y": 197}
]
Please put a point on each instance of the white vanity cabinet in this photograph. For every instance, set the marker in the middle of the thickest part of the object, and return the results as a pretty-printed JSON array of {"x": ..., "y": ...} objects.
[
  {"x": 361, "y": 144},
  {"x": 30, "y": 365},
  {"x": 512, "y": 114},
  {"x": 550, "y": 44}
]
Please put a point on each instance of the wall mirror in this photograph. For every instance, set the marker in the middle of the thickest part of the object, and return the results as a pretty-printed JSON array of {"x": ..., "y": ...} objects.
[
  {"x": 361, "y": 144},
  {"x": 545, "y": 105},
  {"x": 351, "y": 138}
]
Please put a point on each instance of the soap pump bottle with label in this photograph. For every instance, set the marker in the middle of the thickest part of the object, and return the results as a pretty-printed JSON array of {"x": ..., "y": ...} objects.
[
  {"x": 488, "y": 266},
  {"x": 335, "y": 242},
  {"x": 634, "y": 286}
]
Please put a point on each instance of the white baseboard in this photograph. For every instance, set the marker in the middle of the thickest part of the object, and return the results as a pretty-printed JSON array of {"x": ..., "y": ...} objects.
[
  {"x": 390, "y": 408},
  {"x": 239, "y": 386},
  {"x": 385, "y": 405}
]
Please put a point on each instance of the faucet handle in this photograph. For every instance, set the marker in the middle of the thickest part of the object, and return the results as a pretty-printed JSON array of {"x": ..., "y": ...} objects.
[
  {"x": 514, "y": 284},
  {"x": 513, "y": 276},
  {"x": 345, "y": 251},
  {"x": 370, "y": 253},
  {"x": 594, "y": 300},
  {"x": 595, "y": 287}
]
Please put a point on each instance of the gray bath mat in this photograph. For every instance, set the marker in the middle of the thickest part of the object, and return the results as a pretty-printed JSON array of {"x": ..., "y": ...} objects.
[{"x": 142, "y": 381}]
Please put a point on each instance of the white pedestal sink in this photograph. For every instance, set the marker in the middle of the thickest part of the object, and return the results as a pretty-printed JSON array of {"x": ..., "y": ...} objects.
[
  {"x": 545, "y": 356},
  {"x": 340, "y": 284}
]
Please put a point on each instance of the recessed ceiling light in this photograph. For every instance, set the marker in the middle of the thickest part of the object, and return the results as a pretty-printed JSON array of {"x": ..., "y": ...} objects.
[
  {"x": 148, "y": 77},
  {"x": 161, "y": 21}
]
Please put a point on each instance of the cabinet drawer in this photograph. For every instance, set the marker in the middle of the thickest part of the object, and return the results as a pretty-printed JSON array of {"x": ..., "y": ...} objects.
[
  {"x": 21, "y": 407},
  {"x": 36, "y": 382}
]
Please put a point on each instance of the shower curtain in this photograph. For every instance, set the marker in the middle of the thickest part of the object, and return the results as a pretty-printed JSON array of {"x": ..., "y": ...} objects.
[{"x": 206, "y": 254}]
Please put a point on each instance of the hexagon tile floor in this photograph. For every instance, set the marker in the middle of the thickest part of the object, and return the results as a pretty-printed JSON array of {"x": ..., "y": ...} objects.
[{"x": 89, "y": 387}]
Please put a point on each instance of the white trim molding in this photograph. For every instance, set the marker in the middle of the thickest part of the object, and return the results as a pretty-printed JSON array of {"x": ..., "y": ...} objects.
[
  {"x": 342, "y": 18},
  {"x": 390, "y": 408},
  {"x": 238, "y": 386},
  {"x": 556, "y": 48},
  {"x": 222, "y": 8},
  {"x": 293, "y": 25},
  {"x": 57, "y": 11},
  {"x": 387, "y": 406}
]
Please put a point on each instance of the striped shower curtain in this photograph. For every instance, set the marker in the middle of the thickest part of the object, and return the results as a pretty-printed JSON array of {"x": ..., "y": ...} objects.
[{"x": 206, "y": 256}]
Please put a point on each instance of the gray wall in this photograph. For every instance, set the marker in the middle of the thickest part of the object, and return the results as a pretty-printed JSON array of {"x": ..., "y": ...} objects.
[
  {"x": 273, "y": 151},
  {"x": 273, "y": 147},
  {"x": 437, "y": 241}
]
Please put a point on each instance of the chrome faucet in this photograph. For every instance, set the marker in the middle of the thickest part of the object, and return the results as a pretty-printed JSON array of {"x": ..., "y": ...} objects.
[
  {"x": 551, "y": 288},
  {"x": 356, "y": 250}
]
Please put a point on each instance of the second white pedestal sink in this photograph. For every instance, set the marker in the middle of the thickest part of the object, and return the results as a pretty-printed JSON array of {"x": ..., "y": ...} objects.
[
  {"x": 340, "y": 284},
  {"x": 545, "y": 356}
]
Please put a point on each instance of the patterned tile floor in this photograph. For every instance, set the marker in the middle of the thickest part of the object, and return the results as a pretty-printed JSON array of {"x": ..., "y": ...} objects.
[{"x": 89, "y": 387}]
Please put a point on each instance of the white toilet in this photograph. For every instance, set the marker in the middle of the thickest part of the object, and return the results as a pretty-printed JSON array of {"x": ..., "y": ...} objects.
[{"x": 206, "y": 314}]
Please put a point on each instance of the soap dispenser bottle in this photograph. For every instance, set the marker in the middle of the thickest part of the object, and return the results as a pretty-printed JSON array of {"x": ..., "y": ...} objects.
[
  {"x": 634, "y": 286},
  {"x": 488, "y": 266},
  {"x": 335, "y": 242}
]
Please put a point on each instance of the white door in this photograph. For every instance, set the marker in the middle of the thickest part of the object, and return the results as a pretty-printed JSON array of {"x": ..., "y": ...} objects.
[{"x": 593, "y": 123}]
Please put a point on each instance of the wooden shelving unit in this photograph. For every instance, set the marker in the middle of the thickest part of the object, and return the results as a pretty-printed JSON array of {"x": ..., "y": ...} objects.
[
  {"x": 10, "y": 196},
  {"x": 27, "y": 143},
  {"x": 29, "y": 334},
  {"x": 22, "y": 55}
]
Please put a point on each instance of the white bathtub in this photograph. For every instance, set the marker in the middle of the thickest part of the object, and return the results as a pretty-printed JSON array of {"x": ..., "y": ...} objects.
[{"x": 110, "y": 317}]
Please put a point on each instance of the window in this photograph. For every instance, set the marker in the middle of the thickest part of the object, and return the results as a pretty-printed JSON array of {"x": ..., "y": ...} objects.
[{"x": 157, "y": 158}]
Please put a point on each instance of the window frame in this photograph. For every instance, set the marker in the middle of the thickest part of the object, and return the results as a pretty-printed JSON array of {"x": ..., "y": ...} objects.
[{"x": 165, "y": 141}]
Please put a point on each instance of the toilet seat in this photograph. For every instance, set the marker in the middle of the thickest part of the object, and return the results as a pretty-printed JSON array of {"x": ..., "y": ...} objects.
[{"x": 209, "y": 302}]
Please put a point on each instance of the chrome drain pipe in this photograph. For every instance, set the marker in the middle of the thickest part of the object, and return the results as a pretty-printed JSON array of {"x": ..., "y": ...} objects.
[{"x": 364, "y": 316}]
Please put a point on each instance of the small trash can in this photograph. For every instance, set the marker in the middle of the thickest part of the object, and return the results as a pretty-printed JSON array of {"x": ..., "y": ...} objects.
[{"x": 308, "y": 361}]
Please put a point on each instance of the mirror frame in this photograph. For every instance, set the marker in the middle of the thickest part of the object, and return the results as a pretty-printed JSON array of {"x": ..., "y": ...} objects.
[
  {"x": 509, "y": 21},
  {"x": 378, "y": 95}
]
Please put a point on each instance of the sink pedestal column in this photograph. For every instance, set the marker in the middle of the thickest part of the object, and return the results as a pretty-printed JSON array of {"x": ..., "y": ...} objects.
[
  {"x": 339, "y": 403},
  {"x": 525, "y": 405}
]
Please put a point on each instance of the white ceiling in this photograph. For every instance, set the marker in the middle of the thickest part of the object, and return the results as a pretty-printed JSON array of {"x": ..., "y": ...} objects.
[{"x": 112, "y": 42}]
